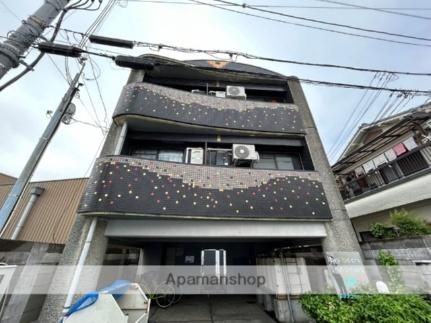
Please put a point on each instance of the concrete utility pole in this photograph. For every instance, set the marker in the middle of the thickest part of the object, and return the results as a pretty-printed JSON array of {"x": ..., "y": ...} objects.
[
  {"x": 21, "y": 39},
  {"x": 27, "y": 172}
]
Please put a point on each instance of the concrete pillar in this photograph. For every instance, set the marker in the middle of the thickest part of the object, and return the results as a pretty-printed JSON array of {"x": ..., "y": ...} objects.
[
  {"x": 14, "y": 309},
  {"x": 53, "y": 306},
  {"x": 136, "y": 76},
  {"x": 341, "y": 241}
]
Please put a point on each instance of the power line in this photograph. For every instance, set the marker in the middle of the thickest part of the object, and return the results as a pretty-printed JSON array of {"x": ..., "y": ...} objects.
[
  {"x": 376, "y": 9},
  {"x": 97, "y": 22},
  {"x": 86, "y": 174},
  {"x": 97, "y": 121},
  {"x": 336, "y": 144},
  {"x": 58, "y": 69},
  {"x": 288, "y": 6},
  {"x": 102, "y": 129},
  {"x": 10, "y": 10},
  {"x": 312, "y": 27},
  {"x": 160, "y": 46},
  {"x": 105, "y": 117},
  {"x": 30, "y": 67},
  {"x": 361, "y": 108},
  {"x": 383, "y": 81},
  {"x": 367, "y": 107},
  {"x": 279, "y": 60},
  {"x": 309, "y": 81},
  {"x": 382, "y": 32},
  {"x": 88, "y": 124}
]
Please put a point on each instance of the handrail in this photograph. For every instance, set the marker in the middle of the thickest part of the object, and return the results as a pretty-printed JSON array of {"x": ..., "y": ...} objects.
[{"x": 377, "y": 169}]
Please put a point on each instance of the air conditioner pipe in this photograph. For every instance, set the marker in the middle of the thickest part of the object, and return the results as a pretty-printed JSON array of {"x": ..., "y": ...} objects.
[
  {"x": 90, "y": 235},
  {"x": 35, "y": 193}
]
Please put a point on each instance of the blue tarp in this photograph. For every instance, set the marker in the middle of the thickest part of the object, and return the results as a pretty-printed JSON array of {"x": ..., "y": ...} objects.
[{"x": 117, "y": 289}]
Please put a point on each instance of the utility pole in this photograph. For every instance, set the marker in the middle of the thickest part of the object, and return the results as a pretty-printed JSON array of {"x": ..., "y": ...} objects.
[
  {"x": 27, "y": 172},
  {"x": 21, "y": 39}
]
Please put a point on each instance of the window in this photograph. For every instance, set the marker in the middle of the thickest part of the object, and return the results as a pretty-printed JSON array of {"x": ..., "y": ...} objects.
[
  {"x": 171, "y": 155},
  {"x": 278, "y": 161},
  {"x": 266, "y": 161},
  {"x": 219, "y": 157},
  {"x": 284, "y": 162},
  {"x": 145, "y": 153},
  {"x": 171, "y": 149}
]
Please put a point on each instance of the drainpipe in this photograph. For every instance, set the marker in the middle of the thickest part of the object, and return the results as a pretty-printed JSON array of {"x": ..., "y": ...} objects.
[
  {"x": 84, "y": 253},
  {"x": 80, "y": 265},
  {"x": 36, "y": 191}
]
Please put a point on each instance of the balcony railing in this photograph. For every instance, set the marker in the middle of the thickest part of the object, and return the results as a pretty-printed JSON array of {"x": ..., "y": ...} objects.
[
  {"x": 396, "y": 170},
  {"x": 164, "y": 103},
  {"x": 134, "y": 186}
]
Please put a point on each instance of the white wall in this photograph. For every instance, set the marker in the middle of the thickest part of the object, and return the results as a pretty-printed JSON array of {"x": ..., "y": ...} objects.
[
  {"x": 182, "y": 228},
  {"x": 362, "y": 223},
  {"x": 416, "y": 190}
]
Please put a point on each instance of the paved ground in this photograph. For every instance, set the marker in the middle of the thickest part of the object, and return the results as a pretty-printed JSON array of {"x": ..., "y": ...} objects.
[{"x": 214, "y": 309}]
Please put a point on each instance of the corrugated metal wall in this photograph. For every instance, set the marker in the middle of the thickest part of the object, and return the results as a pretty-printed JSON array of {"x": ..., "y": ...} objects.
[
  {"x": 52, "y": 215},
  {"x": 6, "y": 179}
]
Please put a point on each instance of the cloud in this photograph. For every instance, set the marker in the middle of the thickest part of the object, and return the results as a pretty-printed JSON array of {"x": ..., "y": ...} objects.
[{"x": 23, "y": 106}]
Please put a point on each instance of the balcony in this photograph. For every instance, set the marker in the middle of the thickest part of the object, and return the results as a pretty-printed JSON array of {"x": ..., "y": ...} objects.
[
  {"x": 121, "y": 185},
  {"x": 408, "y": 166},
  {"x": 164, "y": 103}
]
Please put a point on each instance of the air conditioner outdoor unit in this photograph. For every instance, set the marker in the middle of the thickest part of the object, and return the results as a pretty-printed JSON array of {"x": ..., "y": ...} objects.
[
  {"x": 244, "y": 152},
  {"x": 235, "y": 92},
  {"x": 195, "y": 156}
]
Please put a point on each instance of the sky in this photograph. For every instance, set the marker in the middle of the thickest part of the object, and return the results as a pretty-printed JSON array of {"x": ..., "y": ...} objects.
[{"x": 24, "y": 105}]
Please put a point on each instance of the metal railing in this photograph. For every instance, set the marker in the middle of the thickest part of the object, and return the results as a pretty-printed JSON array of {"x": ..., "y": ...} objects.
[{"x": 405, "y": 165}]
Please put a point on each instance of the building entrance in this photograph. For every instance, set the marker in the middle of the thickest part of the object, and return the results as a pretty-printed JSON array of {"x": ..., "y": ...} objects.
[{"x": 209, "y": 307}]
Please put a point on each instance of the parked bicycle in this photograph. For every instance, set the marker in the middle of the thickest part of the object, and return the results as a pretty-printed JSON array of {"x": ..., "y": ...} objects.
[{"x": 164, "y": 295}]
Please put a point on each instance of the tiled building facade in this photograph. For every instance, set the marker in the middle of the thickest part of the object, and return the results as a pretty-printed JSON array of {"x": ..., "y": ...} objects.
[{"x": 146, "y": 191}]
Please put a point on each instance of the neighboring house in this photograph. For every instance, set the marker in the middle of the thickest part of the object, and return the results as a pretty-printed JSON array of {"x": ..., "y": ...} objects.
[
  {"x": 6, "y": 180},
  {"x": 48, "y": 216},
  {"x": 35, "y": 234},
  {"x": 387, "y": 166},
  {"x": 209, "y": 155}
]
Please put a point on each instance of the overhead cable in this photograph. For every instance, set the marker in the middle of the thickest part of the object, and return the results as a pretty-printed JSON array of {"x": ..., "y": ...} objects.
[
  {"x": 30, "y": 67},
  {"x": 312, "y": 27},
  {"x": 383, "y": 10},
  {"x": 290, "y": 6},
  {"x": 231, "y": 54},
  {"x": 329, "y": 23}
]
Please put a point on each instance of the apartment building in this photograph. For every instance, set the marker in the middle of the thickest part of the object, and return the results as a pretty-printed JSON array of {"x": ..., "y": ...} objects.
[{"x": 209, "y": 155}]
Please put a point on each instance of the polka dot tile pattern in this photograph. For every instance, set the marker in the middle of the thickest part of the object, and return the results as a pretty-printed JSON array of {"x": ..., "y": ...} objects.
[
  {"x": 175, "y": 105},
  {"x": 124, "y": 185}
]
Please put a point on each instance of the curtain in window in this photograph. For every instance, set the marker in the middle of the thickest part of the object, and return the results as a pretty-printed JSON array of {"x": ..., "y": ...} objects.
[{"x": 171, "y": 155}]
